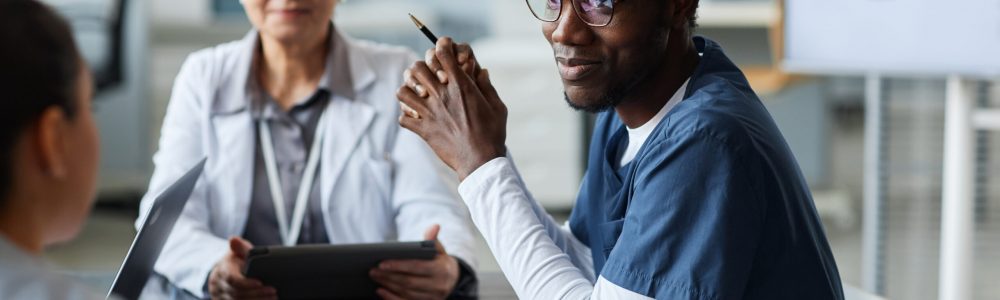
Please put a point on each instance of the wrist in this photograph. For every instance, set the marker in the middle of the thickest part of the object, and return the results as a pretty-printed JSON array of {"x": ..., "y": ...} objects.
[
  {"x": 475, "y": 164},
  {"x": 467, "y": 285}
]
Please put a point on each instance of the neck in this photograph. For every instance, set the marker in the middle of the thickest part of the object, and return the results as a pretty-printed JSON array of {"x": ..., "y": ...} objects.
[
  {"x": 21, "y": 228},
  {"x": 287, "y": 68},
  {"x": 650, "y": 95}
]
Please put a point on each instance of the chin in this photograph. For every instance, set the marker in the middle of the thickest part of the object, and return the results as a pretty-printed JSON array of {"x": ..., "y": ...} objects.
[
  {"x": 289, "y": 31},
  {"x": 64, "y": 234},
  {"x": 69, "y": 225},
  {"x": 285, "y": 34},
  {"x": 589, "y": 101}
]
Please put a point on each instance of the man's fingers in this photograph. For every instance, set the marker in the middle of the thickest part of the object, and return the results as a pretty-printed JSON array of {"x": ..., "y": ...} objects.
[
  {"x": 464, "y": 55},
  {"x": 412, "y": 83},
  {"x": 485, "y": 85},
  {"x": 413, "y": 102},
  {"x": 425, "y": 78},
  {"x": 411, "y": 124},
  {"x": 442, "y": 76},
  {"x": 461, "y": 56},
  {"x": 489, "y": 92},
  {"x": 433, "y": 64},
  {"x": 409, "y": 112},
  {"x": 445, "y": 52},
  {"x": 431, "y": 59},
  {"x": 467, "y": 59}
]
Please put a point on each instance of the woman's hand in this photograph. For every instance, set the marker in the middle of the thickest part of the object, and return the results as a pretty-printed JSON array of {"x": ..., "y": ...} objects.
[
  {"x": 461, "y": 117},
  {"x": 227, "y": 281},
  {"x": 418, "y": 279}
]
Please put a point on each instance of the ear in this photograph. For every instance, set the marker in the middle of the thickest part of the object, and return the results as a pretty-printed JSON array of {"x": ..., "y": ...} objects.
[
  {"x": 49, "y": 137},
  {"x": 682, "y": 11}
]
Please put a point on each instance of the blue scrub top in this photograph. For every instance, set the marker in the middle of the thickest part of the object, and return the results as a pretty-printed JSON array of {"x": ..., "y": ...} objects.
[{"x": 712, "y": 207}]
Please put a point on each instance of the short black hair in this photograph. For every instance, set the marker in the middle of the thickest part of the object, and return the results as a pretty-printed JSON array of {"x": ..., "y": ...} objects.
[{"x": 39, "y": 68}]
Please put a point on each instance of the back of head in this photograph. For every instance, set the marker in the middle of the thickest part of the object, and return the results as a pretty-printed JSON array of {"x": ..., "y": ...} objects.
[{"x": 39, "y": 68}]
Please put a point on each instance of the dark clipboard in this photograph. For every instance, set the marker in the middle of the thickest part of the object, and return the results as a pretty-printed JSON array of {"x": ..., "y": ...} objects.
[{"x": 328, "y": 271}]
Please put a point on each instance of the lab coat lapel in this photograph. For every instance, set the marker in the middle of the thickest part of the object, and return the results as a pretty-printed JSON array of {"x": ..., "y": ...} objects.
[
  {"x": 235, "y": 136},
  {"x": 347, "y": 123},
  {"x": 348, "y": 118}
]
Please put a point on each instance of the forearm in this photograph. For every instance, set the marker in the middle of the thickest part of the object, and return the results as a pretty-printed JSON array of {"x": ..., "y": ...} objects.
[
  {"x": 561, "y": 235},
  {"x": 535, "y": 264},
  {"x": 423, "y": 194}
]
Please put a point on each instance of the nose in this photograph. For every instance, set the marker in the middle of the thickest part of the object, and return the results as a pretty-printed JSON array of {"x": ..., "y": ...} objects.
[{"x": 570, "y": 29}]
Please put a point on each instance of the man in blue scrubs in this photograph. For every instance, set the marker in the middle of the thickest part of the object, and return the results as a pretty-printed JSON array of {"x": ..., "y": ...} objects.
[{"x": 691, "y": 190}]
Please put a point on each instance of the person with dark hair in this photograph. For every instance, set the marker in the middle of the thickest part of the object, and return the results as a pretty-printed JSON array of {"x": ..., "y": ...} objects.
[
  {"x": 48, "y": 149},
  {"x": 691, "y": 192}
]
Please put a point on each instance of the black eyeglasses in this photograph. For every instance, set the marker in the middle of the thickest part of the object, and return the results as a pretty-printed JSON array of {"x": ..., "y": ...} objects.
[{"x": 595, "y": 13}]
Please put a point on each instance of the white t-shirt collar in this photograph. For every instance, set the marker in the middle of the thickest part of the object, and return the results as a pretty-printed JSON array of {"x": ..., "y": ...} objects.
[{"x": 637, "y": 136}]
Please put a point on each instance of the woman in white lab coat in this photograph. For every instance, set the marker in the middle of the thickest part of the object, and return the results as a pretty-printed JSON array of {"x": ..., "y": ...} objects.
[
  {"x": 48, "y": 149},
  {"x": 297, "y": 106}
]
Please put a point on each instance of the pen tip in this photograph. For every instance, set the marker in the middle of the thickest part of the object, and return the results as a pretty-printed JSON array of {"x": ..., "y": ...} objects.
[{"x": 415, "y": 21}]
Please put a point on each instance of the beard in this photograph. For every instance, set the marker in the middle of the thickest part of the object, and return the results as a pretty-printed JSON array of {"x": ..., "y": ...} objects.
[
  {"x": 610, "y": 98},
  {"x": 608, "y": 101}
]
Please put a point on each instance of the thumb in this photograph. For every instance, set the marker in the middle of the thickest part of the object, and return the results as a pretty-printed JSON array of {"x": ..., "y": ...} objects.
[
  {"x": 432, "y": 232},
  {"x": 431, "y": 235},
  {"x": 486, "y": 87},
  {"x": 240, "y": 247}
]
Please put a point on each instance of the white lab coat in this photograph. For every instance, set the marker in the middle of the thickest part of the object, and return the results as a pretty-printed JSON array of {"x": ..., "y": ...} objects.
[{"x": 379, "y": 182}]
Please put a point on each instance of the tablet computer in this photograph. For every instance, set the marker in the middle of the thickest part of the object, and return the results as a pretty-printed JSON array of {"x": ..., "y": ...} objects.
[
  {"x": 328, "y": 271},
  {"x": 137, "y": 268}
]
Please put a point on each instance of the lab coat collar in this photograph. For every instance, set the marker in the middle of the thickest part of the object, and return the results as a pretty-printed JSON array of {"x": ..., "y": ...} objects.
[{"x": 237, "y": 93}]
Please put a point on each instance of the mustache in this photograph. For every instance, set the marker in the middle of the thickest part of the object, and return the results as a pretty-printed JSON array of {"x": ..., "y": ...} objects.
[{"x": 563, "y": 51}]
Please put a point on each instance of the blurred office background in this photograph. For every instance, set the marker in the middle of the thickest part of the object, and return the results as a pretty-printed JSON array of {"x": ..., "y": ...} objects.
[{"x": 135, "y": 47}]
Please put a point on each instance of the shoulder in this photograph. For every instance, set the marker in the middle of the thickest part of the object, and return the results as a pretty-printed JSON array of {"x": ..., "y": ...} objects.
[
  {"x": 211, "y": 73},
  {"x": 719, "y": 111},
  {"x": 217, "y": 61},
  {"x": 378, "y": 69},
  {"x": 384, "y": 59},
  {"x": 220, "y": 52},
  {"x": 38, "y": 283},
  {"x": 716, "y": 128}
]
